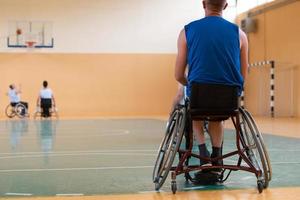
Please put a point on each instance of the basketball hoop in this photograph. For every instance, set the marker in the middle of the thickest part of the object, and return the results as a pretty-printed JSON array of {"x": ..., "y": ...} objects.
[{"x": 30, "y": 44}]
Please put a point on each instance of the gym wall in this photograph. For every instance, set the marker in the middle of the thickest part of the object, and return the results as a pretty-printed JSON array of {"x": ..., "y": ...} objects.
[
  {"x": 111, "y": 58},
  {"x": 276, "y": 38}
]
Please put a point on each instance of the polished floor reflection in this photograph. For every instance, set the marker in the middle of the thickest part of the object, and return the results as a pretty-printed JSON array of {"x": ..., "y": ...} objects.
[{"x": 96, "y": 157}]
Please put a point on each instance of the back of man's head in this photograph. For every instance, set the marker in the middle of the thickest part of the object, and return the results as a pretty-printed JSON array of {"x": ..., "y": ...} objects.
[
  {"x": 215, "y": 5},
  {"x": 45, "y": 84}
]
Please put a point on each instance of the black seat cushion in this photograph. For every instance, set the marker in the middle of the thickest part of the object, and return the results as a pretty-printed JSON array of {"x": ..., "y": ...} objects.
[{"x": 213, "y": 100}]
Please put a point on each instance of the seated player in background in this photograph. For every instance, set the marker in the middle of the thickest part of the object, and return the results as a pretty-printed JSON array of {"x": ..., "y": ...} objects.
[
  {"x": 14, "y": 98},
  {"x": 46, "y": 100}
]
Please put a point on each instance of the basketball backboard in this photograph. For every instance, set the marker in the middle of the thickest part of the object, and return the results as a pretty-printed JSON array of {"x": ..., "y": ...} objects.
[{"x": 30, "y": 34}]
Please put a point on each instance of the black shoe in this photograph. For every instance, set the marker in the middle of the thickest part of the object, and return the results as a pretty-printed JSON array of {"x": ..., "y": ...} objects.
[
  {"x": 206, "y": 178},
  {"x": 204, "y": 153},
  {"x": 217, "y": 152}
]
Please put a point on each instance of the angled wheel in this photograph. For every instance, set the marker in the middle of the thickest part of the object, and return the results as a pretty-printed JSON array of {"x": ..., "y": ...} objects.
[
  {"x": 36, "y": 115},
  {"x": 10, "y": 111},
  {"x": 173, "y": 187},
  {"x": 264, "y": 151},
  {"x": 54, "y": 113},
  {"x": 169, "y": 147},
  {"x": 20, "y": 110},
  {"x": 255, "y": 148}
]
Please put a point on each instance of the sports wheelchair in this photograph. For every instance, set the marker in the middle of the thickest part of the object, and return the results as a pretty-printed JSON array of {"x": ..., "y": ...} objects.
[
  {"x": 39, "y": 113},
  {"x": 16, "y": 109},
  {"x": 209, "y": 101}
]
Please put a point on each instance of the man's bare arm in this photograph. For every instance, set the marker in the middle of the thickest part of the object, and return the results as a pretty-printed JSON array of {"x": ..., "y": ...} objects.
[
  {"x": 244, "y": 54},
  {"x": 181, "y": 60}
]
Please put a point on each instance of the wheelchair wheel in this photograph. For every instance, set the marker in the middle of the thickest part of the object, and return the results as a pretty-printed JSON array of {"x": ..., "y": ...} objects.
[
  {"x": 54, "y": 113},
  {"x": 264, "y": 148},
  {"x": 169, "y": 147},
  {"x": 255, "y": 148},
  {"x": 36, "y": 115},
  {"x": 20, "y": 110},
  {"x": 10, "y": 111}
]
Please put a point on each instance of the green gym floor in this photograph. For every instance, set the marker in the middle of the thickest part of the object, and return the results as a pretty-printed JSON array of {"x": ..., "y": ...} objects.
[{"x": 94, "y": 157}]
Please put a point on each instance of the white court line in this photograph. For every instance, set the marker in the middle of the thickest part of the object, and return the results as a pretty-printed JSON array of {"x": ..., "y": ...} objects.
[
  {"x": 282, "y": 163},
  {"x": 77, "y": 154},
  {"x": 100, "y": 134},
  {"x": 75, "y": 194},
  {"x": 18, "y": 194},
  {"x": 194, "y": 188},
  {"x": 248, "y": 177},
  {"x": 89, "y": 151},
  {"x": 275, "y": 150},
  {"x": 106, "y": 150},
  {"x": 74, "y": 136},
  {"x": 73, "y": 169},
  {"x": 272, "y": 163},
  {"x": 283, "y": 151},
  {"x": 150, "y": 192}
]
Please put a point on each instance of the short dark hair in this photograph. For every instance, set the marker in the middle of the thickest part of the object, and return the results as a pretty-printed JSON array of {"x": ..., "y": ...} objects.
[
  {"x": 45, "y": 84},
  {"x": 216, "y": 5},
  {"x": 11, "y": 86}
]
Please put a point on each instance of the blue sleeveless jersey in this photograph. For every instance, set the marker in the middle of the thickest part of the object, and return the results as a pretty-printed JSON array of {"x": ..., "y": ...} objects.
[{"x": 213, "y": 52}]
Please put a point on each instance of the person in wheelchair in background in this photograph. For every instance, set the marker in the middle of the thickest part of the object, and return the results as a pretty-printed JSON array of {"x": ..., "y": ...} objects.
[
  {"x": 216, "y": 52},
  {"x": 46, "y": 100},
  {"x": 15, "y": 99}
]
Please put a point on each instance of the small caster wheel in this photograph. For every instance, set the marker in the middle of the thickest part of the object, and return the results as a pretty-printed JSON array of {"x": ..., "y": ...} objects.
[
  {"x": 260, "y": 186},
  {"x": 186, "y": 176},
  {"x": 157, "y": 186},
  {"x": 174, "y": 187}
]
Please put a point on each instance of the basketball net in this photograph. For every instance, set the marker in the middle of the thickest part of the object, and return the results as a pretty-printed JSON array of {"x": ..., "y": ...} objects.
[{"x": 30, "y": 40}]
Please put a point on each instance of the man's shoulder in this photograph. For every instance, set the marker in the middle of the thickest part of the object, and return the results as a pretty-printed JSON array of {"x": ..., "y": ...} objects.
[
  {"x": 195, "y": 22},
  {"x": 230, "y": 23}
]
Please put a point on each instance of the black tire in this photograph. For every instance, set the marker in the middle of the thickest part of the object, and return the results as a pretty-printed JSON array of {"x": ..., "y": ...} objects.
[
  {"x": 261, "y": 141},
  {"x": 169, "y": 147},
  {"x": 256, "y": 150},
  {"x": 9, "y": 111},
  {"x": 173, "y": 187},
  {"x": 20, "y": 110},
  {"x": 260, "y": 186}
]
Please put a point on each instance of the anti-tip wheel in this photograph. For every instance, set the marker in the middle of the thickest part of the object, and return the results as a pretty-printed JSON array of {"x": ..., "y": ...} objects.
[
  {"x": 260, "y": 186},
  {"x": 174, "y": 187}
]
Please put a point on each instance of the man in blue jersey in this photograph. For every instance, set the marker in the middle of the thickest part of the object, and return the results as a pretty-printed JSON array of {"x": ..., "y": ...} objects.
[{"x": 216, "y": 52}]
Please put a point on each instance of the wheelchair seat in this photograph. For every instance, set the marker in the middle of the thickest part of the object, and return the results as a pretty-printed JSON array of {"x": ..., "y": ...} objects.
[{"x": 213, "y": 102}]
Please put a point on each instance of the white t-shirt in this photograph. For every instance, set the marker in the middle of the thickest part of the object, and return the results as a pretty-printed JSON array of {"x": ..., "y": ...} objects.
[
  {"x": 46, "y": 93},
  {"x": 13, "y": 96}
]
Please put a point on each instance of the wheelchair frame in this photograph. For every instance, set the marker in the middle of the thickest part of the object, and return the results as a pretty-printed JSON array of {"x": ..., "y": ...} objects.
[
  {"x": 12, "y": 111},
  {"x": 53, "y": 113},
  {"x": 249, "y": 143}
]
